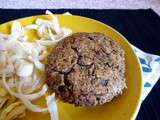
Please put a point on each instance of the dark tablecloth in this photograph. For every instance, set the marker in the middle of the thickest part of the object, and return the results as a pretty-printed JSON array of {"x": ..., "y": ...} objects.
[{"x": 140, "y": 27}]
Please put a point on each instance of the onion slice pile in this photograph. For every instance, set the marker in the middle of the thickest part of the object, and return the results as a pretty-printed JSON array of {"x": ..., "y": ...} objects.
[
  {"x": 26, "y": 98},
  {"x": 21, "y": 61}
]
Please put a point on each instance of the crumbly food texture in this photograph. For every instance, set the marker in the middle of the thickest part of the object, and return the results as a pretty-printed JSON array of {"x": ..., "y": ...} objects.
[{"x": 86, "y": 69}]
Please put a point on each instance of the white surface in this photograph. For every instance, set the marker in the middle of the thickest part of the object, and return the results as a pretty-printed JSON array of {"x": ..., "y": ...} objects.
[
  {"x": 98, "y": 4},
  {"x": 150, "y": 70}
]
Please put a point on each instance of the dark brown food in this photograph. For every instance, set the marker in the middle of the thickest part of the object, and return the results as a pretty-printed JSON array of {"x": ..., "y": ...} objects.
[{"x": 86, "y": 69}]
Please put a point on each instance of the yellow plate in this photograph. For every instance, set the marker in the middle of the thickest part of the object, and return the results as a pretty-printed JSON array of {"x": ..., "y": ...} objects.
[{"x": 124, "y": 107}]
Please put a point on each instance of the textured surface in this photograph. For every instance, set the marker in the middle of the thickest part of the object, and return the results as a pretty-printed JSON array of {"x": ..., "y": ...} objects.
[
  {"x": 86, "y": 69},
  {"x": 145, "y": 21},
  {"x": 91, "y": 4}
]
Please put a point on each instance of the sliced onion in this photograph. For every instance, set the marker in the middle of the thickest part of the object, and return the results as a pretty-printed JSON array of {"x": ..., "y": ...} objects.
[
  {"x": 52, "y": 106},
  {"x": 38, "y": 94},
  {"x": 8, "y": 69},
  {"x": 24, "y": 99},
  {"x": 47, "y": 42},
  {"x": 32, "y": 89},
  {"x": 19, "y": 86},
  {"x": 16, "y": 47},
  {"x": 56, "y": 26},
  {"x": 34, "y": 95},
  {"x": 42, "y": 22},
  {"x": 66, "y": 32},
  {"x": 30, "y": 106},
  {"x": 33, "y": 26},
  {"x": 53, "y": 37},
  {"x": 16, "y": 27},
  {"x": 16, "y": 31},
  {"x": 67, "y": 13},
  {"x": 42, "y": 31},
  {"x": 38, "y": 64},
  {"x": 23, "y": 68},
  {"x": 30, "y": 84}
]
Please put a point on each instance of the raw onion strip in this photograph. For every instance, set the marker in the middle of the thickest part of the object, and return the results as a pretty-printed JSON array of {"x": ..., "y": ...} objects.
[
  {"x": 55, "y": 22},
  {"x": 52, "y": 107},
  {"x": 23, "y": 98},
  {"x": 33, "y": 26},
  {"x": 34, "y": 95}
]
